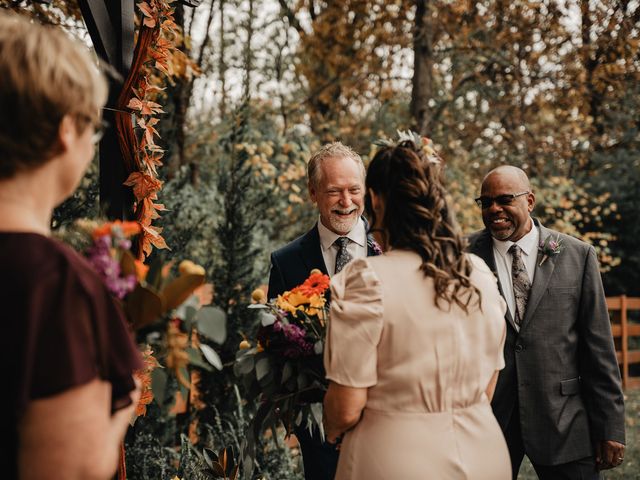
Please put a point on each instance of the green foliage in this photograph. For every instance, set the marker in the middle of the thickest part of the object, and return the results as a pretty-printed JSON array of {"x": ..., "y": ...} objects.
[{"x": 84, "y": 203}]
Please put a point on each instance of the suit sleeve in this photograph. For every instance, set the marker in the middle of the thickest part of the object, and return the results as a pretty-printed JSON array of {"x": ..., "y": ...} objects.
[
  {"x": 601, "y": 385},
  {"x": 276, "y": 280}
]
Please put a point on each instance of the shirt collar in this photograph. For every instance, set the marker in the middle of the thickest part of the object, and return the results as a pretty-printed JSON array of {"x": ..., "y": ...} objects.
[
  {"x": 358, "y": 234},
  {"x": 528, "y": 243}
]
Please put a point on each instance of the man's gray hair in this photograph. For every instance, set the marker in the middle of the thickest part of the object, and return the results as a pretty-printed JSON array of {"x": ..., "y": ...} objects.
[{"x": 330, "y": 150}]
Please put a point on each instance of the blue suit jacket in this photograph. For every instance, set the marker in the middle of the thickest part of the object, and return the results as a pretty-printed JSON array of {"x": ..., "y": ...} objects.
[{"x": 291, "y": 265}]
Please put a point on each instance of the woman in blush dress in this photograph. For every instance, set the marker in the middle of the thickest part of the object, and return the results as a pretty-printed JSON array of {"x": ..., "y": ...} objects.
[{"x": 415, "y": 338}]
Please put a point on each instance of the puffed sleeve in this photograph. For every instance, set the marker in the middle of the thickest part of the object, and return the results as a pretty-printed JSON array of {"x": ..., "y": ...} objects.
[
  {"x": 355, "y": 326},
  {"x": 494, "y": 309}
]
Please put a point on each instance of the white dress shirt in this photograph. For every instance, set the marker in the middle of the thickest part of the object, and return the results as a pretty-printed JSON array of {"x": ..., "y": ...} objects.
[
  {"x": 504, "y": 261},
  {"x": 357, "y": 246}
]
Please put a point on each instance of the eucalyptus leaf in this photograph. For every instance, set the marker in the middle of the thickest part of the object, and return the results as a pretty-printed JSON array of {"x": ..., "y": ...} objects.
[
  {"x": 302, "y": 380},
  {"x": 262, "y": 368},
  {"x": 287, "y": 370},
  {"x": 187, "y": 308},
  {"x": 211, "y": 355},
  {"x": 245, "y": 364},
  {"x": 212, "y": 323},
  {"x": 318, "y": 347},
  {"x": 159, "y": 385},
  {"x": 267, "y": 319},
  {"x": 195, "y": 358},
  {"x": 257, "y": 305},
  {"x": 316, "y": 413}
]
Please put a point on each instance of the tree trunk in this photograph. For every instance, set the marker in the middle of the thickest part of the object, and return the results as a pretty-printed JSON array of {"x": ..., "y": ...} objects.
[{"x": 422, "y": 69}]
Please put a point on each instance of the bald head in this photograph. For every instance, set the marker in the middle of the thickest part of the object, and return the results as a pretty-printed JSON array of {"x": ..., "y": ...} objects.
[
  {"x": 514, "y": 175},
  {"x": 507, "y": 202}
]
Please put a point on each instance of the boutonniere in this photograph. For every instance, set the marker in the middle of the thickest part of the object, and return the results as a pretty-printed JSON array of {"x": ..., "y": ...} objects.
[
  {"x": 549, "y": 248},
  {"x": 371, "y": 243}
]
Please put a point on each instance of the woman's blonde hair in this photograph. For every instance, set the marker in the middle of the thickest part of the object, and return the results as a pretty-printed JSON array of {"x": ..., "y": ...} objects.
[{"x": 44, "y": 75}]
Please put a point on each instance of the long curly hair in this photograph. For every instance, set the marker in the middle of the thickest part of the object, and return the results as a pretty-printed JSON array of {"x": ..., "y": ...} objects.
[{"x": 417, "y": 218}]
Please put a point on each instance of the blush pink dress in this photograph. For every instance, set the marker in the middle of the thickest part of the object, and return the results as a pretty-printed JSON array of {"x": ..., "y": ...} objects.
[{"x": 426, "y": 370}]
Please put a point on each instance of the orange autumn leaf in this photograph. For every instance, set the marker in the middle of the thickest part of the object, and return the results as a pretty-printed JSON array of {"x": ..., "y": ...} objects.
[
  {"x": 144, "y": 376},
  {"x": 180, "y": 406},
  {"x": 149, "y": 241},
  {"x": 141, "y": 270},
  {"x": 145, "y": 107},
  {"x": 143, "y": 184},
  {"x": 152, "y": 161},
  {"x": 149, "y": 14}
]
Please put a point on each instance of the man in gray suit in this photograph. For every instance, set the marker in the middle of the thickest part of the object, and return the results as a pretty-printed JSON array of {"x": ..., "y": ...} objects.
[{"x": 559, "y": 398}]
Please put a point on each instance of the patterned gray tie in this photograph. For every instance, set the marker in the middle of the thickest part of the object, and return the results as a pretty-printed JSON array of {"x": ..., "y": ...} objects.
[
  {"x": 343, "y": 256},
  {"x": 521, "y": 283}
]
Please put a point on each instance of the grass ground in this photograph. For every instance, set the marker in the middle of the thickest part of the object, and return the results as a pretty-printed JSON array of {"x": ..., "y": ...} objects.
[{"x": 630, "y": 469}]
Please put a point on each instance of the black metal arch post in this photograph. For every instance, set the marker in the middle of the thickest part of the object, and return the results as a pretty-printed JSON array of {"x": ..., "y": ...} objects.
[{"x": 111, "y": 25}]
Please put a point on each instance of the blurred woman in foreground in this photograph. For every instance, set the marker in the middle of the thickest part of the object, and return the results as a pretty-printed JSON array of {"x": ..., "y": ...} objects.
[{"x": 67, "y": 357}]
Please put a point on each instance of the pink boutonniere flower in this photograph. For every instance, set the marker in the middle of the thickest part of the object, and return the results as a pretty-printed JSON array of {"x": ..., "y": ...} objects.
[{"x": 549, "y": 248}]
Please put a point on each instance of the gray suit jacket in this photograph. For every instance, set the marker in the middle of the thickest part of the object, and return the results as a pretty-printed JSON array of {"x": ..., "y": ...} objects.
[{"x": 561, "y": 370}]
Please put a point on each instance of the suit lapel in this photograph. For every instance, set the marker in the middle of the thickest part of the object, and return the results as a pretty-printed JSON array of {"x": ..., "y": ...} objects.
[
  {"x": 540, "y": 279},
  {"x": 311, "y": 251},
  {"x": 484, "y": 249}
]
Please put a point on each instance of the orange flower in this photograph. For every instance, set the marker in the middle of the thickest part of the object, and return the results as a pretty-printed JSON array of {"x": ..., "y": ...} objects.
[
  {"x": 128, "y": 228},
  {"x": 316, "y": 284}
]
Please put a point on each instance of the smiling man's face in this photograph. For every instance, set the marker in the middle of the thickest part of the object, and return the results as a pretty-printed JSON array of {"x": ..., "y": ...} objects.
[
  {"x": 339, "y": 194},
  {"x": 507, "y": 222}
]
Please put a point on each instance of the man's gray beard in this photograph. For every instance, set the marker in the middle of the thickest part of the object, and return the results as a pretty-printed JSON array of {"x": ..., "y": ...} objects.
[
  {"x": 504, "y": 234},
  {"x": 343, "y": 226}
]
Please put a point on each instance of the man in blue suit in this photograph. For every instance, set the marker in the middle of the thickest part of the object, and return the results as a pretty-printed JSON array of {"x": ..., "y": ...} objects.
[{"x": 335, "y": 176}]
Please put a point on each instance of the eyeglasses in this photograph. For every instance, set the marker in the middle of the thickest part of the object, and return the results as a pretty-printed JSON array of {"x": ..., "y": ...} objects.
[
  {"x": 486, "y": 202},
  {"x": 99, "y": 127},
  {"x": 98, "y": 131}
]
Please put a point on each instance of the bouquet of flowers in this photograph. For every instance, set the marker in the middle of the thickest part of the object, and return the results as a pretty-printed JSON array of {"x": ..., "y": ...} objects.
[
  {"x": 174, "y": 311},
  {"x": 283, "y": 369}
]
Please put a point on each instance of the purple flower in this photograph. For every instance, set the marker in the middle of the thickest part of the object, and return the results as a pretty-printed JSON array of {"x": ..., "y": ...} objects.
[
  {"x": 295, "y": 335},
  {"x": 549, "y": 248},
  {"x": 99, "y": 256}
]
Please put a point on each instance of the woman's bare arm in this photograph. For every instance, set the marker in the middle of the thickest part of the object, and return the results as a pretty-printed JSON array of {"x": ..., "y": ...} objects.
[
  {"x": 342, "y": 409},
  {"x": 73, "y": 435}
]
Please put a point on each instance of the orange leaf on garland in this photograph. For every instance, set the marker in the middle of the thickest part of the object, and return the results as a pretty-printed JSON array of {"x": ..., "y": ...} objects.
[{"x": 143, "y": 185}]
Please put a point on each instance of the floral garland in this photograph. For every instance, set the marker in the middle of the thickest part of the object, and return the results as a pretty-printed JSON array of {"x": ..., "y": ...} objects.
[{"x": 142, "y": 156}]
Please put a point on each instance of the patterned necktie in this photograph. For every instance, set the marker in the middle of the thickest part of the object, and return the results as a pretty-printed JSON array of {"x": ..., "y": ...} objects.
[
  {"x": 343, "y": 256},
  {"x": 521, "y": 283}
]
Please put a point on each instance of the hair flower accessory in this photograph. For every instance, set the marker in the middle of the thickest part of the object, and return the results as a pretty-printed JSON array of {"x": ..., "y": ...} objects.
[
  {"x": 423, "y": 144},
  {"x": 549, "y": 248}
]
